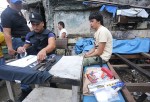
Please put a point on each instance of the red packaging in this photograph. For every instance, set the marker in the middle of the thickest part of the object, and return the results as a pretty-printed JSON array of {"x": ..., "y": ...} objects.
[{"x": 108, "y": 72}]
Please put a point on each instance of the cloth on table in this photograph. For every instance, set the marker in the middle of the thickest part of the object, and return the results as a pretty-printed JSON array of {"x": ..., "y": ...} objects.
[{"x": 25, "y": 75}]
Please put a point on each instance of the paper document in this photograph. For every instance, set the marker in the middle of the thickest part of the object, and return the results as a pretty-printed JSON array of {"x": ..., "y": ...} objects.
[{"x": 23, "y": 62}]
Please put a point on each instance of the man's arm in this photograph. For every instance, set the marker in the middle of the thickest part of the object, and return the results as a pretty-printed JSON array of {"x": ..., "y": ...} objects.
[
  {"x": 23, "y": 49},
  {"x": 97, "y": 51},
  {"x": 91, "y": 51},
  {"x": 49, "y": 48},
  {"x": 7, "y": 35}
]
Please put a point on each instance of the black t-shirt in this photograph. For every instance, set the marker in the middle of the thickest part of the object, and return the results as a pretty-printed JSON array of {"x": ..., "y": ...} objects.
[{"x": 13, "y": 19}]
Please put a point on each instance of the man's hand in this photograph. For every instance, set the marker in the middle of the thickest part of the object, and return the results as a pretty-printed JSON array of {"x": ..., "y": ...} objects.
[
  {"x": 11, "y": 51},
  {"x": 86, "y": 54},
  {"x": 21, "y": 50},
  {"x": 41, "y": 55}
]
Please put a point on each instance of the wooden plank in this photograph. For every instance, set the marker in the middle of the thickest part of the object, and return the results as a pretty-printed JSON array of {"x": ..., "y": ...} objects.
[
  {"x": 75, "y": 94},
  {"x": 65, "y": 80},
  {"x": 142, "y": 71},
  {"x": 146, "y": 66},
  {"x": 138, "y": 87},
  {"x": 46, "y": 94},
  {"x": 134, "y": 56},
  {"x": 125, "y": 91},
  {"x": 146, "y": 55},
  {"x": 10, "y": 91}
]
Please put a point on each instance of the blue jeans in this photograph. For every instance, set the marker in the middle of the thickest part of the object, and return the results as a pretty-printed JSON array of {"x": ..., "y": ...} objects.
[
  {"x": 25, "y": 87},
  {"x": 17, "y": 42},
  {"x": 2, "y": 61}
]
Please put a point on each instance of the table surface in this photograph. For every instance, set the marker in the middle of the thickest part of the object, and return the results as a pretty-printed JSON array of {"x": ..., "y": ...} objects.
[{"x": 69, "y": 68}]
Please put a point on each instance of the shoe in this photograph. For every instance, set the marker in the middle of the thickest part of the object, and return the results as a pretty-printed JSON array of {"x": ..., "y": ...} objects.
[
  {"x": 23, "y": 95},
  {"x": 142, "y": 98},
  {"x": 9, "y": 100},
  {"x": 53, "y": 85}
]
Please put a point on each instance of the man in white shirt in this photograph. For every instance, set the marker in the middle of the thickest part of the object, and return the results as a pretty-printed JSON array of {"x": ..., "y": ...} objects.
[
  {"x": 63, "y": 32},
  {"x": 102, "y": 51}
]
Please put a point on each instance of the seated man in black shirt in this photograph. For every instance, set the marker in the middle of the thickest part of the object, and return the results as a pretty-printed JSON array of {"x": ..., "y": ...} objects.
[{"x": 40, "y": 41}]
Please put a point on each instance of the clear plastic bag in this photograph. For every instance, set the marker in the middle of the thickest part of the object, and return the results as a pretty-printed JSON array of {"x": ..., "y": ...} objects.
[{"x": 106, "y": 95}]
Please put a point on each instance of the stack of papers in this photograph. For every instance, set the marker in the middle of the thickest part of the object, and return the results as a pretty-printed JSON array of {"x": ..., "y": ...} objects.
[{"x": 23, "y": 62}]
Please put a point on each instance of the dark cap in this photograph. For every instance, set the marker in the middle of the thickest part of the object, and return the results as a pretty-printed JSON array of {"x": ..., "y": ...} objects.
[
  {"x": 35, "y": 17},
  {"x": 16, "y": 1}
]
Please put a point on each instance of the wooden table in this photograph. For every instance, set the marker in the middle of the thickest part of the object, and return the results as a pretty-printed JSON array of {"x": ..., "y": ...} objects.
[{"x": 68, "y": 70}]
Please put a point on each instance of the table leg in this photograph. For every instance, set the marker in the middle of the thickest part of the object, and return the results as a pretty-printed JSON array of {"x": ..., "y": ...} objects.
[
  {"x": 36, "y": 86},
  {"x": 10, "y": 91},
  {"x": 75, "y": 94}
]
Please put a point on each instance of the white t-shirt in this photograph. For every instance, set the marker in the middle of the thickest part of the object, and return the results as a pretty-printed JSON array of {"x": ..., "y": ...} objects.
[
  {"x": 62, "y": 31},
  {"x": 104, "y": 35}
]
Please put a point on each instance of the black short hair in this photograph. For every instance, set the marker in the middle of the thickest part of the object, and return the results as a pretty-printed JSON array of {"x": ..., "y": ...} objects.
[
  {"x": 97, "y": 16},
  {"x": 62, "y": 24}
]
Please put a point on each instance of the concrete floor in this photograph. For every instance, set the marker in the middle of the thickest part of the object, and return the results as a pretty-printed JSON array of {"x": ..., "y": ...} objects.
[{"x": 4, "y": 93}]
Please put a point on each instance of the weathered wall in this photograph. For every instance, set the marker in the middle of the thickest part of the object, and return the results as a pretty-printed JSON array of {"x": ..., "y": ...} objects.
[
  {"x": 130, "y": 34},
  {"x": 75, "y": 16},
  {"x": 76, "y": 22}
]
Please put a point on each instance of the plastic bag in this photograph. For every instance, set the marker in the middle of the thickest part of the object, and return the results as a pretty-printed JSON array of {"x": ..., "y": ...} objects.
[{"x": 106, "y": 95}]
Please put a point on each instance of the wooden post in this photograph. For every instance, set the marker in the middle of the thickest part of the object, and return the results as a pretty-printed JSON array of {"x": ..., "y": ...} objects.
[
  {"x": 10, "y": 91},
  {"x": 75, "y": 94}
]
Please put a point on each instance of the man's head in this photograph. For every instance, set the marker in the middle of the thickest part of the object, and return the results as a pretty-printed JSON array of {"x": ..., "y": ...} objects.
[
  {"x": 36, "y": 22},
  {"x": 61, "y": 25},
  {"x": 96, "y": 19},
  {"x": 15, "y": 4}
]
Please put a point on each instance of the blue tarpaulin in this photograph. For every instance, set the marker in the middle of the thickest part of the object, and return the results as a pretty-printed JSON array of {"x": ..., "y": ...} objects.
[
  {"x": 131, "y": 46},
  {"x": 110, "y": 9},
  {"x": 84, "y": 45}
]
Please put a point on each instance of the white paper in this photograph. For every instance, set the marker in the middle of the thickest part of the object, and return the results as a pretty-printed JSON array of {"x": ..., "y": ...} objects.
[{"x": 23, "y": 62}]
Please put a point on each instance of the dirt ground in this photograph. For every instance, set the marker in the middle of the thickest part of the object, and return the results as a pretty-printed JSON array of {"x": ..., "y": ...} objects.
[{"x": 4, "y": 93}]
